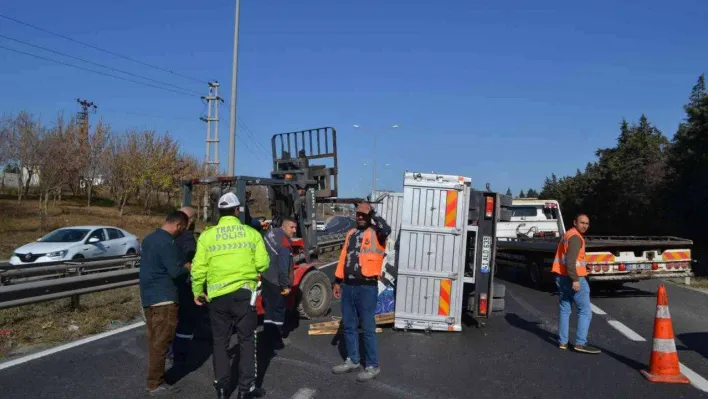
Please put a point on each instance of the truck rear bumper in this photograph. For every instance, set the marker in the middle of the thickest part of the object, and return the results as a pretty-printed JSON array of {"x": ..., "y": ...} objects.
[{"x": 639, "y": 276}]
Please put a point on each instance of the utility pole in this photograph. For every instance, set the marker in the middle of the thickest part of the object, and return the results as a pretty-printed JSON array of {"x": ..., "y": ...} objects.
[
  {"x": 82, "y": 116},
  {"x": 234, "y": 73},
  {"x": 211, "y": 160},
  {"x": 373, "y": 181}
]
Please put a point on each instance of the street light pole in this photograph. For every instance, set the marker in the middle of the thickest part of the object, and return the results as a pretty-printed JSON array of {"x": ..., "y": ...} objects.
[
  {"x": 373, "y": 182},
  {"x": 234, "y": 73}
]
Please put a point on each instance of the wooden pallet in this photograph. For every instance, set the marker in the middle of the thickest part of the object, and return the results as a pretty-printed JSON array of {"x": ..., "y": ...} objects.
[{"x": 335, "y": 326}]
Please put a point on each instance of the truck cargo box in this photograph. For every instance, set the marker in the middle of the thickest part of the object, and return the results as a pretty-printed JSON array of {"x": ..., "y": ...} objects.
[
  {"x": 389, "y": 206},
  {"x": 431, "y": 252}
]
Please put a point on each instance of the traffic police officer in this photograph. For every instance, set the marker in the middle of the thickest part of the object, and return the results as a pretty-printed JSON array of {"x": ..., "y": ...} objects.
[{"x": 229, "y": 257}]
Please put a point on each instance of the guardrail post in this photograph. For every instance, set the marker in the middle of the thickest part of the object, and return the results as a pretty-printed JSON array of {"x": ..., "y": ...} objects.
[
  {"x": 75, "y": 299},
  {"x": 687, "y": 281}
]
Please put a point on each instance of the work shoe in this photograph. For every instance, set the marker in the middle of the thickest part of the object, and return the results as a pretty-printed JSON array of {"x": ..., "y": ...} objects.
[
  {"x": 253, "y": 393},
  {"x": 586, "y": 349},
  {"x": 368, "y": 374},
  {"x": 563, "y": 346},
  {"x": 222, "y": 391},
  {"x": 164, "y": 390},
  {"x": 346, "y": 367}
]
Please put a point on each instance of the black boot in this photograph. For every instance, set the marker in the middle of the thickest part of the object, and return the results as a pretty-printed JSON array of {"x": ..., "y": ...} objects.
[
  {"x": 255, "y": 393},
  {"x": 222, "y": 391}
]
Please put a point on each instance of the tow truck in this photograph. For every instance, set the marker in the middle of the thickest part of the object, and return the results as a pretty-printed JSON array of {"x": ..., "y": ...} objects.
[
  {"x": 294, "y": 187},
  {"x": 530, "y": 239}
]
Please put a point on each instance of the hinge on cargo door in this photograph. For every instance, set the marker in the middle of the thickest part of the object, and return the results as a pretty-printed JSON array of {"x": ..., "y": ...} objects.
[
  {"x": 450, "y": 320},
  {"x": 459, "y": 187}
]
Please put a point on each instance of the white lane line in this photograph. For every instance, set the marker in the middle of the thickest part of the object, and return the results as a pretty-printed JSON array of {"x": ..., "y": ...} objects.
[
  {"x": 304, "y": 393},
  {"x": 597, "y": 310},
  {"x": 626, "y": 331},
  {"x": 696, "y": 380},
  {"x": 326, "y": 265},
  {"x": 11, "y": 363}
]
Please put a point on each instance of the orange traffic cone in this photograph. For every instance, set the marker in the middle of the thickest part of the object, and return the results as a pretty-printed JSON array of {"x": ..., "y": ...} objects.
[{"x": 664, "y": 362}]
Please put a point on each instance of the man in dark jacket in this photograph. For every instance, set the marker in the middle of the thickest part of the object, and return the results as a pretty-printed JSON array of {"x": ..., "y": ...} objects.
[
  {"x": 277, "y": 280},
  {"x": 161, "y": 266},
  {"x": 189, "y": 312}
]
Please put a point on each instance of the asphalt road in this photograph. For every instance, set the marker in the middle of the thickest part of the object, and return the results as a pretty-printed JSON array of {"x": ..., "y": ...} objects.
[
  {"x": 514, "y": 356},
  {"x": 338, "y": 224}
]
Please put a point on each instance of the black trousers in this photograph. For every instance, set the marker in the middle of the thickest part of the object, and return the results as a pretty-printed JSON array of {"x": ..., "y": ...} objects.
[
  {"x": 187, "y": 321},
  {"x": 274, "y": 306},
  {"x": 224, "y": 312}
]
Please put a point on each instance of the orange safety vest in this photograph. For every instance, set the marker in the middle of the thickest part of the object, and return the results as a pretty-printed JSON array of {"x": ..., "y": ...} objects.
[
  {"x": 559, "y": 262},
  {"x": 371, "y": 255}
]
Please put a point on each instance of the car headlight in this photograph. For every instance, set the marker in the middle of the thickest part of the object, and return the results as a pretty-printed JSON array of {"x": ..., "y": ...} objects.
[{"x": 58, "y": 254}]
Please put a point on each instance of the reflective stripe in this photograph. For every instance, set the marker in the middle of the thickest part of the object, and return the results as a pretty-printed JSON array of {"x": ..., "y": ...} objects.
[
  {"x": 372, "y": 251},
  {"x": 277, "y": 323},
  {"x": 664, "y": 345},
  {"x": 185, "y": 336},
  {"x": 662, "y": 312},
  {"x": 562, "y": 262}
]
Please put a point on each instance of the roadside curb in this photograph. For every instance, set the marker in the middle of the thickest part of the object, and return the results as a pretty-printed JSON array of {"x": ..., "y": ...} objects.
[{"x": 703, "y": 291}]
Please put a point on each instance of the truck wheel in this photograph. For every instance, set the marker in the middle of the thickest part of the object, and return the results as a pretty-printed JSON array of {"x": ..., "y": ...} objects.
[
  {"x": 498, "y": 304},
  {"x": 499, "y": 290},
  {"x": 316, "y": 295},
  {"x": 535, "y": 276}
]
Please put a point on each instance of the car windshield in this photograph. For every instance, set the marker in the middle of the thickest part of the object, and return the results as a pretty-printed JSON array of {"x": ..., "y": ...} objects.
[{"x": 65, "y": 235}]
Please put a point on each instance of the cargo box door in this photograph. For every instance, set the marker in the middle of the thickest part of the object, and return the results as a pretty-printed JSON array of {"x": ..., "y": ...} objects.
[{"x": 431, "y": 253}]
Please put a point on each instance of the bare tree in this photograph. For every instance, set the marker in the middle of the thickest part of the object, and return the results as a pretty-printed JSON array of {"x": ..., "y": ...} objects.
[
  {"x": 93, "y": 167},
  {"x": 23, "y": 134}
]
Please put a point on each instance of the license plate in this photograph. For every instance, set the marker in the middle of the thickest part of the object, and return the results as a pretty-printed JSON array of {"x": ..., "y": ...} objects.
[{"x": 638, "y": 266}]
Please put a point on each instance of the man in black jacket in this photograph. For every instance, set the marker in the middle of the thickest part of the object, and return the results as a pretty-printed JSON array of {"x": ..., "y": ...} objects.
[
  {"x": 277, "y": 280},
  {"x": 189, "y": 313}
]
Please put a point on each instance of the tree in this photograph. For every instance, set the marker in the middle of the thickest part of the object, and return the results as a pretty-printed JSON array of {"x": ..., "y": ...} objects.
[
  {"x": 532, "y": 193},
  {"x": 94, "y": 165},
  {"x": 521, "y": 194},
  {"x": 508, "y": 192},
  {"x": 23, "y": 134}
]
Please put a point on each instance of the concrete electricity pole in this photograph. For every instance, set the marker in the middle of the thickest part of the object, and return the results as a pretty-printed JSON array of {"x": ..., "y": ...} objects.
[
  {"x": 211, "y": 161},
  {"x": 234, "y": 73}
]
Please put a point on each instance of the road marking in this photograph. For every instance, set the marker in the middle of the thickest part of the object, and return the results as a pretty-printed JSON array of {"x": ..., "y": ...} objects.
[
  {"x": 304, "y": 393},
  {"x": 697, "y": 381},
  {"x": 626, "y": 331},
  {"x": 597, "y": 310},
  {"x": 326, "y": 265},
  {"x": 11, "y": 363}
]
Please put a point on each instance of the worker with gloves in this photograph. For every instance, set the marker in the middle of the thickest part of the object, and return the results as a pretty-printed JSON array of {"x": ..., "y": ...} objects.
[
  {"x": 229, "y": 258},
  {"x": 277, "y": 281},
  {"x": 356, "y": 283}
]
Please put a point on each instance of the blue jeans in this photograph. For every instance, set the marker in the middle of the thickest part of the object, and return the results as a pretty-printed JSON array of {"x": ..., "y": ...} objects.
[
  {"x": 359, "y": 304},
  {"x": 582, "y": 302}
]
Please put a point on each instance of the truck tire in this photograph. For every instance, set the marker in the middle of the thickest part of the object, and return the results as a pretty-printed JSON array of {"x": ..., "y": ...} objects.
[
  {"x": 535, "y": 277},
  {"x": 498, "y": 304},
  {"x": 315, "y": 295},
  {"x": 499, "y": 290}
]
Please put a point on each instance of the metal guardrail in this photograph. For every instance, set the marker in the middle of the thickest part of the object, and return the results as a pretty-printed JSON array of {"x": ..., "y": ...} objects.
[{"x": 29, "y": 284}]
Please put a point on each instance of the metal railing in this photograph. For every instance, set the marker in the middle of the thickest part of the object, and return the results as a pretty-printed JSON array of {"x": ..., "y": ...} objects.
[{"x": 35, "y": 283}]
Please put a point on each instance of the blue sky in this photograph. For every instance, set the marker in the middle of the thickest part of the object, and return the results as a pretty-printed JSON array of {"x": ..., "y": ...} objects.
[{"x": 505, "y": 92}]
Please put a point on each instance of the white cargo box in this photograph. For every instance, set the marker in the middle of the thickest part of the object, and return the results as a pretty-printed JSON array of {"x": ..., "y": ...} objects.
[
  {"x": 389, "y": 205},
  {"x": 431, "y": 252}
]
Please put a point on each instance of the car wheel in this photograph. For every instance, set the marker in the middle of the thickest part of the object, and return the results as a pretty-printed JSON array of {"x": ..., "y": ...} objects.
[
  {"x": 130, "y": 252},
  {"x": 78, "y": 257}
]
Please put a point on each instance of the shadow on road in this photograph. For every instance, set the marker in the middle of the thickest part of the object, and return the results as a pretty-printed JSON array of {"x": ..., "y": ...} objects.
[
  {"x": 600, "y": 291},
  {"x": 696, "y": 342},
  {"x": 536, "y": 329},
  {"x": 200, "y": 351}
]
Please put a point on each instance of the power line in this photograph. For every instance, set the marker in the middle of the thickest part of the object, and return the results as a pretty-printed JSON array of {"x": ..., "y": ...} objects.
[
  {"x": 99, "y": 65},
  {"x": 95, "y": 71},
  {"x": 101, "y": 49}
]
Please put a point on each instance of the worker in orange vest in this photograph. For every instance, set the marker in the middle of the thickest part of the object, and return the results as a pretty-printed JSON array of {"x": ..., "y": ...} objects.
[
  {"x": 571, "y": 280},
  {"x": 356, "y": 283}
]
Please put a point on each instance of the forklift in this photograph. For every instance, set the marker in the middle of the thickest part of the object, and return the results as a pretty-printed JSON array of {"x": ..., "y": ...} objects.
[{"x": 294, "y": 188}]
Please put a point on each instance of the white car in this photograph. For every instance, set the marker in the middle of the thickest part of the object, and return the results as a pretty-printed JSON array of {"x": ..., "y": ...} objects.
[
  {"x": 320, "y": 225},
  {"x": 77, "y": 242}
]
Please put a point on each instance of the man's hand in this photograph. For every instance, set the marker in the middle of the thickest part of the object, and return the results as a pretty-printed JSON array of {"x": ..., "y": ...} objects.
[
  {"x": 576, "y": 286},
  {"x": 188, "y": 266},
  {"x": 200, "y": 300},
  {"x": 337, "y": 291},
  {"x": 285, "y": 291}
]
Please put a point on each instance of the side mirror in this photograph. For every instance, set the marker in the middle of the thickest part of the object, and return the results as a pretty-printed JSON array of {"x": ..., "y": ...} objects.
[{"x": 93, "y": 240}]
